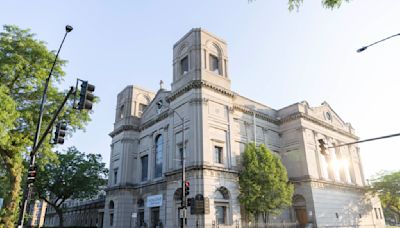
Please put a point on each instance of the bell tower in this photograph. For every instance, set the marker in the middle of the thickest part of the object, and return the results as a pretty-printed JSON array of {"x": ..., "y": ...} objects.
[{"x": 200, "y": 55}]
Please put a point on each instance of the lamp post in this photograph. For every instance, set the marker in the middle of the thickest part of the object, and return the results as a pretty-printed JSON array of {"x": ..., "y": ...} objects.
[
  {"x": 183, "y": 203},
  {"x": 27, "y": 190},
  {"x": 365, "y": 47}
]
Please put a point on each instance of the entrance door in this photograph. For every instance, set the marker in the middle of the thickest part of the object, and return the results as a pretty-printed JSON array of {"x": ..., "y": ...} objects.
[
  {"x": 301, "y": 214},
  {"x": 155, "y": 217}
]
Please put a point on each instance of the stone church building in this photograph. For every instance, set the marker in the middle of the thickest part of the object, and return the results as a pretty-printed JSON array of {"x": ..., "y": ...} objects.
[{"x": 147, "y": 147}]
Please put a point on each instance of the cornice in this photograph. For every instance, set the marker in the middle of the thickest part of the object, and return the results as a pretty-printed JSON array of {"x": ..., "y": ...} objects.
[
  {"x": 122, "y": 128},
  {"x": 202, "y": 167},
  {"x": 153, "y": 121},
  {"x": 300, "y": 115},
  {"x": 198, "y": 84},
  {"x": 258, "y": 114},
  {"x": 319, "y": 183},
  {"x": 135, "y": 186},
  {"x": 198, "y": 101}
]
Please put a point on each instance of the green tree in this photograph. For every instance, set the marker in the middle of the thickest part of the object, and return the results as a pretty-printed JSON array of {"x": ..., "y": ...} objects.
[
  {"x": 387, "y": 187},
  {"x": 330, "y": 4},
  {"x": 24, "y": 65},
  {"x": 75, "y": 175},
  {"x": 263, "y": 183}
]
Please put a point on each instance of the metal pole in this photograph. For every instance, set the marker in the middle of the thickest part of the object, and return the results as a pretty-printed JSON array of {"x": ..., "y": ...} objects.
[
  {"x": 366, "y": 140},
  {"x": 48, "y": 129},
  {"x": 365, "y": 47},
  {"x": 27, "y": 193},
  {"x": 27, "y": 190},
  {"x": 183, "y": 174}
]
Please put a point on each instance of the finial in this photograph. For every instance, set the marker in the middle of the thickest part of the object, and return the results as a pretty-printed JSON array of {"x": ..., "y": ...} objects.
[{"x": 161, "y": 84}]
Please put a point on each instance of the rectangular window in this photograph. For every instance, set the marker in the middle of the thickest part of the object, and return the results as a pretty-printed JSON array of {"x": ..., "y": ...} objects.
[
  {"x": 144, "y": 161},
  {"x": 121, "y": 111},
  {"x": 218, "y": 154},
  {"x": 141, "y": 218},
  {"x": 115, "y": 175},
  {"x": 376, "y": 213},
  {"x": 179, "y": 156},
  {"x": 380, "y": 213},
  {"x": 184, "y": 65},
  {"x": 214, "y": 64},
  {"x": 338, "y": 165},
  {"x": 220, "y": 214},
  {"x": 158, "y": 157},
  {"x": 111, "y": 219}
]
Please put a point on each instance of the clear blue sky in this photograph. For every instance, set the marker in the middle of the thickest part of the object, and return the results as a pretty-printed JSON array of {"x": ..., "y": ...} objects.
[{"x": 276, "y": 57}]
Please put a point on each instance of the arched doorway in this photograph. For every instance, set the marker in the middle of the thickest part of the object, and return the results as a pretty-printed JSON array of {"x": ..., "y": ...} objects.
[{"x": 300, "y": 209}]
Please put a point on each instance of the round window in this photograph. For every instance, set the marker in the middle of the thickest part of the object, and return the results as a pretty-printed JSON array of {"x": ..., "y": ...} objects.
[{"x": 328, "y": 116}]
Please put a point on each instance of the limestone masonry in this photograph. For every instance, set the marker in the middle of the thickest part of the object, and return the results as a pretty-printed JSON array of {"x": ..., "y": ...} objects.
[{"x": 145, "y": 176}]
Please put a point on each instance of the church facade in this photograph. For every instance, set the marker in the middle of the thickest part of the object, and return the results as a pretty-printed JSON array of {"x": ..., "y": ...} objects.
[{"x": 204, "y": 119}]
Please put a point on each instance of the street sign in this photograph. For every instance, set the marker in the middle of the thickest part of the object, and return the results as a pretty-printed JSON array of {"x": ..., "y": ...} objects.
[
  {"x": 182, "y": 213},
  {"x": 200, "y": 205},
  {"x": 134, "y": 215}
]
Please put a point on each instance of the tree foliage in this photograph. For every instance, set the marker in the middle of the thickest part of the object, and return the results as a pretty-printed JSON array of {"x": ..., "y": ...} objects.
[
  {"x": 263, "y": 183},
  {"x": 387, "y": 187},
  {"x": 75, "y": 175},
  {"x": 330, "y": 4},
  {"x": 24, "y": 65}
]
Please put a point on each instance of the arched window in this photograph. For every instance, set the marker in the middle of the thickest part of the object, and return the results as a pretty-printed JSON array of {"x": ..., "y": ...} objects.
[
  {"x": 140, "y": 218},
  {"x": 111, "y": 205},
  {"x": 222, "y": 206},
  {"x": 158, "y": 156},
  {"x": 215, "y": 59}
]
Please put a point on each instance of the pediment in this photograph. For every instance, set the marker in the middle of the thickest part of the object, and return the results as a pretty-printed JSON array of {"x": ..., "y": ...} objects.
[
  {"x": 153, "y": 109},
  {"x": 325, "y": 113}
]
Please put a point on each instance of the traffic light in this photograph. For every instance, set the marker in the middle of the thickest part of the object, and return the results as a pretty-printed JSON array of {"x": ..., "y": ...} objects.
[
  {"x": 60, "y": 133},
  {"x": 187, "y": 188},
  {"x": 189, "y": 202},
  {"x": 322, "y": 146},
  {"x": 86, "y": 96},
  {"x": 32, "y": 174}
]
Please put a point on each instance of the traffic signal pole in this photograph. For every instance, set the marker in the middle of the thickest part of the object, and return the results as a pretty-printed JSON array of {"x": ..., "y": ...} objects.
[
  {"x": 48, "y": 129},
  {"x": 323, "y": 148},
  {"x": 28, "y": 189},
  {"x": 366, "y": 140},
  {"x": 68, "y": 29}
]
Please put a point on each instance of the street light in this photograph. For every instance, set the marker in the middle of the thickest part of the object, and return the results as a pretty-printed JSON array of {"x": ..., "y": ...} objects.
[
  {"x": 27, "y": 190},
  {"x": 183, "y": 203},
  {"x": 365, "y": 47}
]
